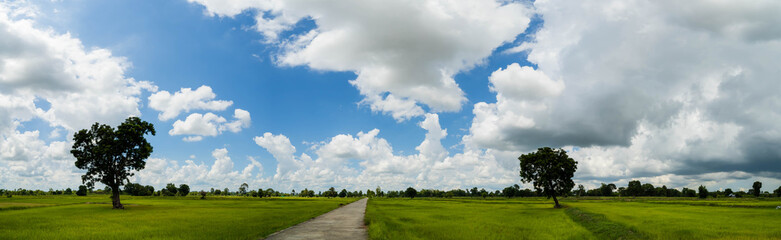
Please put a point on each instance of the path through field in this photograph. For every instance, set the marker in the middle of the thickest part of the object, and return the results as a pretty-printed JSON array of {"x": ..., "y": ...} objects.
[{"x": 342, "y": 223}]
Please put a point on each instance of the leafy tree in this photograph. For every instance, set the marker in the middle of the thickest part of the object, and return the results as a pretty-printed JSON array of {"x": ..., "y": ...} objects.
[
  {"x": 226, "y": 192},
  {"x": 634, "y": 188},
  {"x": 648, "y": 189},
  {"x": 82, "y": 191},
  {"x": 777, "y": 192},
  {"x": 607, "y": 189},
  {"x": 379, "y": 192},
  {"x": 728, "y": 192},
  {"x": 702, "y": 192},
  {"x": 203, "y": 194},
  {"x": 483, "y": 193},
  {"x": 217, "y": 192},
  {"x": 68, "y": 191},
  {"x": 550, "y": 170},
  {"x": 756, "y": 187},
  {"x": 243, "y": 189},
  {"x": 509, "y": 192},
  {"x": 474, "y": 192},
  {"x": 581, "y": 190},
  {"x": 170, "y": 190},
  {"x": 410, "y": 193},
  {"x": 184, "y": 189},
  {"x": 109, "y": 155},
  {"x": 343, "y": 193}
]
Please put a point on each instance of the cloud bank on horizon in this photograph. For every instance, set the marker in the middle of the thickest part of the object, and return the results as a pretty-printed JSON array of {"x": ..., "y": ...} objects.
[{"x": 667, "y": 92}]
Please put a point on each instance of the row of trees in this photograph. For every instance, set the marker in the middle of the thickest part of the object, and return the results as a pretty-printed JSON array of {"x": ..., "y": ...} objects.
[{"x": 635, "y": 188}]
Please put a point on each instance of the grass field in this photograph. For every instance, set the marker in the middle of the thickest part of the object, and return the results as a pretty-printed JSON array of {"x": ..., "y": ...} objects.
[
  {"x": 91, "y": 217},
  {"x": 71, "y": 217},
  {"x": 610, "y": 218}
]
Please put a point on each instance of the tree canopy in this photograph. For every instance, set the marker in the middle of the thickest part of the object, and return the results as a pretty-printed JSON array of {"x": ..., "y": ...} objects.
[
  {"x": 110, "y": 155},
  {"x": 550, "y": 170},
  {"x": 757, "y": 187}
]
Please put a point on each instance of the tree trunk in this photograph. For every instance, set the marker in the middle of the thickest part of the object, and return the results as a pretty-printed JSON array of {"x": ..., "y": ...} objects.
[
  {"x": 115, "y": 198},
  {"x": 557, "y": 202}
]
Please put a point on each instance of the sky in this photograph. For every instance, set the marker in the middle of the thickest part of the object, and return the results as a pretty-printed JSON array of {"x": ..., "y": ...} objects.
[{"x": 357, "y": 94}]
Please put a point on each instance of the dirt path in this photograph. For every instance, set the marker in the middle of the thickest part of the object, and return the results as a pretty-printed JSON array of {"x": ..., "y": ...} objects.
[{"x": 342, "y": 223}]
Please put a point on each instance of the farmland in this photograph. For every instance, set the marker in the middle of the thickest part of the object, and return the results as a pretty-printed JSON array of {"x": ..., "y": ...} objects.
[
  {"x": 91, "y": 217},
  {"x": 221, "y": 217},
  {"x": 593, "y": 218}
]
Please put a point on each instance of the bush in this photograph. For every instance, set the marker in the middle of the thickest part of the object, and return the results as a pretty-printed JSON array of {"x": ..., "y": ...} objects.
[
  {"x": 82, "y": 191},
  {"x": 702, "y": 192},
  {"x": 184, "y": 189}
]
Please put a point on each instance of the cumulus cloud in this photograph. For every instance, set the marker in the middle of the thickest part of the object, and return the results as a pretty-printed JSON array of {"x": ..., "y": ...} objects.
[
  {"x": 40, "y": 67},
  {"x": 644, "y": 89},
  {"x": 185, "y": 100},
  {"x": 209, "y": 124},
  {"x": 366, "y": 160},
  {"x": 403, "y": 52},
  {"x": 219, "y": 174}
]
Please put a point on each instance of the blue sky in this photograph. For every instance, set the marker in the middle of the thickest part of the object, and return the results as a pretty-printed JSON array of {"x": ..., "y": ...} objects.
[{"x": 605, "y": 85}]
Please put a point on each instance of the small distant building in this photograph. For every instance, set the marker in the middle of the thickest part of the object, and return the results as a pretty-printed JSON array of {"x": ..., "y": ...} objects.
[{"x": 732, "y": 195}]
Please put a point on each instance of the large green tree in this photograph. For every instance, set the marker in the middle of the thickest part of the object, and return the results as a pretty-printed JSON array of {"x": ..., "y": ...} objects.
[
  {"x": 551, "y": 171},
  {"x": 757, "y": 187},
  {"x": 110, "y": 155}
]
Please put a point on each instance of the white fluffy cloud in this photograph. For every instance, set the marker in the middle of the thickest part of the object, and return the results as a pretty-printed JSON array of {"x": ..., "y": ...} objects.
[
  {"x": 199, "y": 125},
  {"x": 645, "y": 89},
  {"x": 159, "y": 172},
  {"x": 404, "y": 52},
  {"x": 185, "y": 100},
  {"x": 40, "y": 67},
  {"x": 367, "y": 160}
]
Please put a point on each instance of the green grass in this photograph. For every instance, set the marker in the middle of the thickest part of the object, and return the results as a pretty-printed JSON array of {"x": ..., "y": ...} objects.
[
  {"x": 469, "y": 219},
  {"x": 602, "y": 227},
  {"x": 592, "y": 218},
  {"x": 693, "y": 219},
  {"x": 71, "y": 217}
]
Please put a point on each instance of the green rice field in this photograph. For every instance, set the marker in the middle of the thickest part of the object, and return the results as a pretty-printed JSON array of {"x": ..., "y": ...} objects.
[
  {"x": 595, "y": 218},
  {"x": 91, "y": 217}
]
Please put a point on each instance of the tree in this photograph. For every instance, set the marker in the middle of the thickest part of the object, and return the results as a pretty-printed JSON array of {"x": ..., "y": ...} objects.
[
  {"x": 728, "y": 192},
  {"x": 343, "y": 193},
  {"x": 778, "y": 192},
  {"x": 170, "y": 190},
  {"x": 82, "y": 191},
  {"x": 702, "y": 192},
  {"x": 217, "y": 192},
  {"x": 243, "y": 189},
  {"x": 757, "y": 186},
  {"x": 226, "y": 192},
  {"x": 68, "y": 191},
  {"x": 203, "y": 194},
  {"x": 581, "y": 190},
  {"x": 410, "y": 193},
  {"x": 184, "y": 189},
  {"x": 110, "y": 155},
  {"x": 634, "y": 188},
  {"x": 550, "y": 170},
  {"x": 607, "y": 189}
]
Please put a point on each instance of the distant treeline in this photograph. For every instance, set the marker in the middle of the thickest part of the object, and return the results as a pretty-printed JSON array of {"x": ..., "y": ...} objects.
[{"x": 634, "y": 188}]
